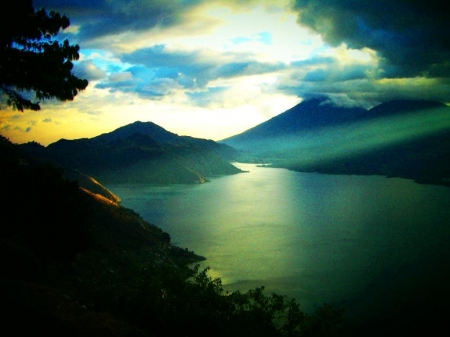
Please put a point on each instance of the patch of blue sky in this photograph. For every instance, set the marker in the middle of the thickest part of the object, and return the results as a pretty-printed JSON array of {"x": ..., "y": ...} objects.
[
  {"x": 307, "y": 42},
  {"x": 265, "y": 37},
  {"x": 149, "y": 74},
  {"x": 114, "y": 68},
  {"x": 142, "y": 72},
  {"x": 166, "y": 72},
  {"x": 103, "y": 60},
  {"x": 240, "y": 39},
  {"x": 320, "y": 50},
  {"x": 91, "y": 53}
]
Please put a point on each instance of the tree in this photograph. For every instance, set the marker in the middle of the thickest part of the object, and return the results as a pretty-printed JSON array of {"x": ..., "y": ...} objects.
[{"x": 32, "y": 60}]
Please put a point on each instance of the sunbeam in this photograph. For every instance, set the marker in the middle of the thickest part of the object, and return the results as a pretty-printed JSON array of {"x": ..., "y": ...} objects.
[{"x": 326, "y": 144}]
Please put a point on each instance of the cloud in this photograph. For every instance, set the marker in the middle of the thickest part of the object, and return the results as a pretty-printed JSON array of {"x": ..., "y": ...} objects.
[
  {"x": 140, "y": 81},
  {"x": 352, "y": 78},
  {"x": 121, "y": 77},
  {"x": 212, "y": 96},
  {"x": 88, "y": 70},
  {"x": 10, "y": 127},
  {"x": 95, "y": 113},
  {"x": 247, "y": 68},
  {"x": 159, "y": 71},
  {"x": 5, "y": 126},
  {"x": 118, "y": 81},
  {"x": 338, "y": 73},
  {"x": 412, "y": 37},
  {"x": 103, "y": 18},
  {"x": 243, "y": 55},
  {"x": 203, "y": 66},
  {"x": 102, "y": 24},
  {"x": 364, "y": 91}
]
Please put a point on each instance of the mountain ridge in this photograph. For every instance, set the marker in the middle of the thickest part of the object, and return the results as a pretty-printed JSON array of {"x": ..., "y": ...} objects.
[
  {"x": 297, "y": 119},
  {"x": 141, "y": 152}
]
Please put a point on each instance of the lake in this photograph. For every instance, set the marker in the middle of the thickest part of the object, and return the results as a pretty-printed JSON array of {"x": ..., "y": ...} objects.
[{"x": 371, "y": 244}]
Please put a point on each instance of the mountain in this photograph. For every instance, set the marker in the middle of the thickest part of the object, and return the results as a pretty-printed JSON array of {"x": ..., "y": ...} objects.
[
  {"x": 311, "y": 114},
  {"x": 405, "y": 138},
  {"x": 140, "y": 153}
]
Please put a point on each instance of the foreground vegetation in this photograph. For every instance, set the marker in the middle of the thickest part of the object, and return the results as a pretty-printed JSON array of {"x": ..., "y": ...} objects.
[{"x": 75, "y": 263}]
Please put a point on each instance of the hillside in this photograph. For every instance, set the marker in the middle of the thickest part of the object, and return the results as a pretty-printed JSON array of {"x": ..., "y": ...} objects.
[
  {"x": 402, "y": 138},
  {"x": 140, "y": 153},
  {"x": 74, "y": 263}
]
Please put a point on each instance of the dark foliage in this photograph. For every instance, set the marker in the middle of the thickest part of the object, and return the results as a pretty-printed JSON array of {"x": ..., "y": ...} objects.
[
  {"x": 32, "y": 60},
  {"x": 161, "y": 299},
  {"x": 40, "y": 209}
]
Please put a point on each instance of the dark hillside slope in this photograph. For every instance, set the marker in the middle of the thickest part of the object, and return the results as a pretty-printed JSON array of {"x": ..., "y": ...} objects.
[{"x": 59, "y": 248}]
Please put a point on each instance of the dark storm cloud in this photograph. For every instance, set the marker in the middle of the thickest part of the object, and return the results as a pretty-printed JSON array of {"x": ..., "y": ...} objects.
[
  {"x": 356, "y": 83},
  {"x": 101, "y": 18},
  {"x": 413, "y": 36},
  {"x": 362, "y": 92},
  {"x": 341, "y": 74}
]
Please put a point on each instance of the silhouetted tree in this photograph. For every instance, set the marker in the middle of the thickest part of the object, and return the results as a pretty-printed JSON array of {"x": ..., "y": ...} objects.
[{"x": 31, "y": 59}]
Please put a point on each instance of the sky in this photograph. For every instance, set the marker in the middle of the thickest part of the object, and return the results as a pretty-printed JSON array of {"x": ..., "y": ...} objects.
[{"x": 212, "y": 69}]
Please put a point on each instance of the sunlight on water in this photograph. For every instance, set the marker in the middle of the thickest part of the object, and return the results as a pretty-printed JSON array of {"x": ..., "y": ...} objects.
[{"x": 319, "y": 238}]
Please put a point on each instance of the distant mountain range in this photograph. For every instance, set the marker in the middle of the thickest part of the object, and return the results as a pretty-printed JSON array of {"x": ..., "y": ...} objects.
[
  {"x": 405, "y": 138},
  {"x": 140, "y": 153}
]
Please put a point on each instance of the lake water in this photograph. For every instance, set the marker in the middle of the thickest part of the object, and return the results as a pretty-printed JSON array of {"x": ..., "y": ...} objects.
[{"x": 368, "y": 243}]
